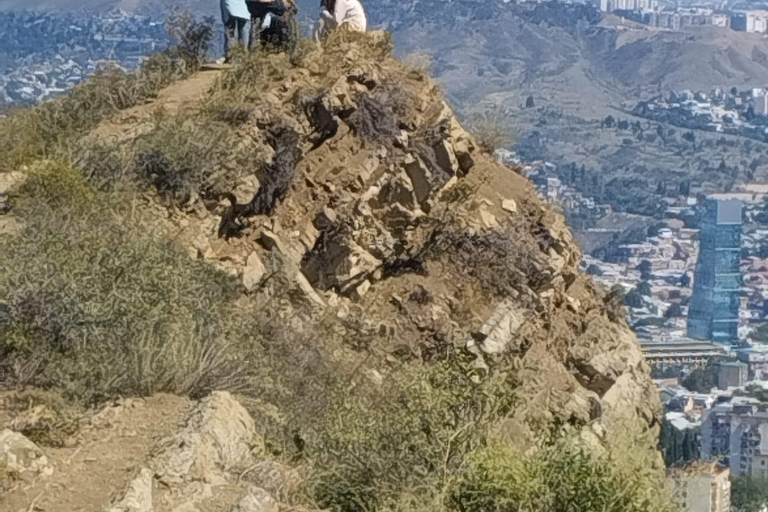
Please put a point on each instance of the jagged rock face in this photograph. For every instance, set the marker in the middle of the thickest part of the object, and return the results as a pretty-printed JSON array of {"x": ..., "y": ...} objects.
[
  {"x": 378, "y": 209},
  {"x": 381, "y": 174}
]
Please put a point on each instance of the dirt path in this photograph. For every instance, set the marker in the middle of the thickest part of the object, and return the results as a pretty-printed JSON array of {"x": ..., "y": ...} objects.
[
  {"x": 114, "y": 446},
  {"x": 134, "y": 121}
]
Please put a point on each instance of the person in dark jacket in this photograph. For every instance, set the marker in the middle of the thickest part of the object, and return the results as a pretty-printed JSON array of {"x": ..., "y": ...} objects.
[{"x": 273, "y": 23}]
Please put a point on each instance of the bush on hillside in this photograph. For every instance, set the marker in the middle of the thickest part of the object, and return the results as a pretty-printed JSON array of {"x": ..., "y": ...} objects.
[
  {"x": 99, "y": 307},
  {"x": 190, "y": 38},
  {"x": 560, "y": 476},
  {"x": 501, "y": 262},
  {"x": 410, "y": 435},
  {"x": 46, "y": 130},
  {"x": 185, "y": 156},
  {"x": 491, "y": 132}
]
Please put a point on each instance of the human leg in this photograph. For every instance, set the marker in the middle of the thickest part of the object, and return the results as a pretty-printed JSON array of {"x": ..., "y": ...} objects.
[
  {"x": 230, "y": 32},
  {"x": 242, "y": 35}
]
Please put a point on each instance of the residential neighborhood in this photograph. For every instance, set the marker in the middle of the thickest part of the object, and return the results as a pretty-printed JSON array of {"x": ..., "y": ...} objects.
[
  {"x": 732, "y": 112},
  {"x": 44, "y": 54}
]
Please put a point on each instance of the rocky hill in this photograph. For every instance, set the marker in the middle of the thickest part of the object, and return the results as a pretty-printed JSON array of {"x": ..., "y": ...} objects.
[{"x": 352, "y": 305}]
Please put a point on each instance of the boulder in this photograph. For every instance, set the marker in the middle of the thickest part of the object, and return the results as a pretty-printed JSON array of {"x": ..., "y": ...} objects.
[
  {"x": 463, "y": 149},
  {"x": 420, "y": 178},
  {"x": 362, "y": 289},
  {"x": 19, "y": 455},
  {"x": 254, "y": 272},
  {"x": 509, "y": 206},
  {"x": 446, "y": 158},
  {"x": 294, "y": 250},
  {"x": 137, "y": 496},
  {"x": 397, "y": 189},
  {"x": 325, "y": 219},
  {"x": 256, "y": 500},
  {"x": 307, "y": 290},
  {"x": 489, "y": 219},
  {"x": 603, "y": 353},
  {"x": 216, "y": 438},
  {"x": 499, "y": 332},
  {"x": 463, "y": 145},
  {"x": 341, "y": 264},
  {"x": 246, "y": 189}
]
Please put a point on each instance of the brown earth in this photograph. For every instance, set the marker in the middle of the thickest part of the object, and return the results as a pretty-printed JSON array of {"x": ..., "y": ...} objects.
[{"x": 110, "y": 447}]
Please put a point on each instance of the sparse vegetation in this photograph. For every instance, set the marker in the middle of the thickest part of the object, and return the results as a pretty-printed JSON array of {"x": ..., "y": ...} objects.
[
  {"x": 98, "y": 301},
  {"x": 491, "y": 132},
  {"x": 46, "y": 130},
  {"x": 560, "y": 476},
  {"x": 501, "y": 262},
  {"x": 181, "y": 157},
  {"x": 99, "y": 306}
]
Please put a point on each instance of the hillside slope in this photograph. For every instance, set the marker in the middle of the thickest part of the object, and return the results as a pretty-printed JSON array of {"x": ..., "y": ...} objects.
[
  {"x": 493, "y": 55},
  {"x": 402, "y": 317}
]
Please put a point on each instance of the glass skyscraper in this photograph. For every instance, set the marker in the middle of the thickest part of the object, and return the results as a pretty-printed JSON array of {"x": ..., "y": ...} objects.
[{"x": 714, "y": 309}]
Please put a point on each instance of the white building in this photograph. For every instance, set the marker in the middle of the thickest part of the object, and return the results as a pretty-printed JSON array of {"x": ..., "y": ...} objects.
[
  {"x": 750, "y": 21},
  {"x": 628, "y": 5}
]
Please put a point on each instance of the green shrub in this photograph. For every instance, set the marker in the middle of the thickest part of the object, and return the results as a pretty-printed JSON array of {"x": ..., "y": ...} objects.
[
  {"x": 185, "y": 156},
  {"x": 105, "y": 166},
  {"x": 53, "y": 184},
  {"x": 560, "y": 476},
  {"x": 98, "y": 305},
  {"x": 413, "y": 432}
]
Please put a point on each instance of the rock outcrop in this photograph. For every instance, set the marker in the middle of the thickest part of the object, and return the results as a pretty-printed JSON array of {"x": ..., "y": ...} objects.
[
  {"x": 202, "y": 461},
  {"x": 21, "y": 457},
  {"x": 390, "y": 196}
]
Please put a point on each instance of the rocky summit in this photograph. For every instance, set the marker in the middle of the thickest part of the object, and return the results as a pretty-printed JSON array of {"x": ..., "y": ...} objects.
[{"x": 319, "y": 291}]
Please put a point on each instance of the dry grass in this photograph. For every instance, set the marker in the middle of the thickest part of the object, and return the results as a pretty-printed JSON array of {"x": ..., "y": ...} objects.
[
  {"x": 491, "y": 132},
  {"x": 100, "y": 306},
  {"x": 46, "y": 130}
]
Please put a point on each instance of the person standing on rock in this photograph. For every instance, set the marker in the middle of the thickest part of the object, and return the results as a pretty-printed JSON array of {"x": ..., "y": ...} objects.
[
  {"x": 273, "y": 23},
  {"x": 235, "y": 15},
  {"x": 337, "y": 13}
]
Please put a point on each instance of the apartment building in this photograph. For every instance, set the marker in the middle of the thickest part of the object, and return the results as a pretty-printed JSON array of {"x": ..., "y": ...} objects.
[{"x": 736, "y": 435}]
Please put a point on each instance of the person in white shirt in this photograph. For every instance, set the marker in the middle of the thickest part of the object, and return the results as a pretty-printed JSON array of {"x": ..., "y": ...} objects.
[
  {"x": 235, "y": 16},
  {"x": 336, "y": 13}
]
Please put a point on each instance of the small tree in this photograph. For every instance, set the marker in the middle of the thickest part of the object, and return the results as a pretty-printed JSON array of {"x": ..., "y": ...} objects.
[
  {"x": 530, "y": 103},
  {"x": 190, "y": 39},
  {"x": 749, "y": 493},
  {"x": 646, "y": 269}
]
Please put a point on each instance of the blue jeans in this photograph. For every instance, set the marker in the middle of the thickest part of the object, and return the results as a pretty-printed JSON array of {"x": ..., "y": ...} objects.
[{"x": 235, "y": 34}]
